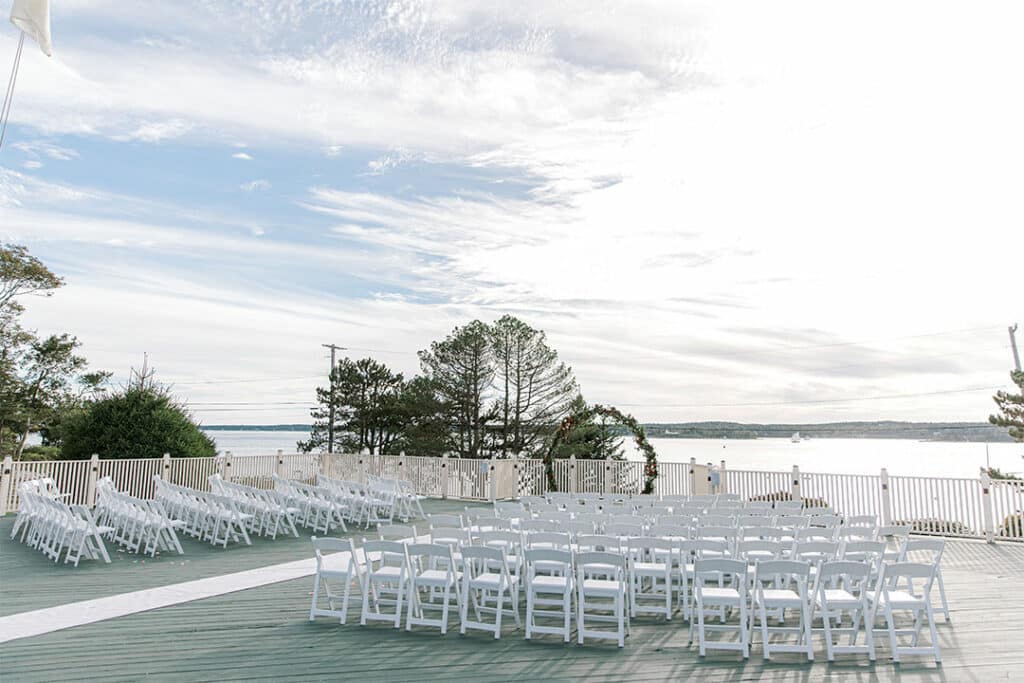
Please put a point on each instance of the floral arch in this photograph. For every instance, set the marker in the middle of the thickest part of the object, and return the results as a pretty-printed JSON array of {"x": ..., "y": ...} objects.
[{"x": 620, "y": 418}]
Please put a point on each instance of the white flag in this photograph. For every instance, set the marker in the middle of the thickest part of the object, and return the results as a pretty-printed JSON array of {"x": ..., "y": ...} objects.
[{"x": 33, "y": 17}]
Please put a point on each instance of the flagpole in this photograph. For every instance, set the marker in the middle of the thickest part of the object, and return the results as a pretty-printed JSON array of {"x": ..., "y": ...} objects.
[{"x": 5, "y": 112}]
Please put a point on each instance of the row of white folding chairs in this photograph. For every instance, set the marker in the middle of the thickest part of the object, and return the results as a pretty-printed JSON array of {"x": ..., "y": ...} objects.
[
  {"x": 730, "y": 587},
  {"x": 57, "y": 529},
  {"x": 139, "y": 526},
  {"x": 319, "y": 507},
  {"x": 394, "y": 573},
  {"x": 480, "y": 576},
  {"x": 268, "y": 511},
  {"x": 206, "y": 515},
  {"x": 407, "y": 503}
]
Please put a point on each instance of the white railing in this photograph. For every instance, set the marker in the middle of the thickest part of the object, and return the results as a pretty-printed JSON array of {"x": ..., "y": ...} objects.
[{"x": 979, "y": 508}]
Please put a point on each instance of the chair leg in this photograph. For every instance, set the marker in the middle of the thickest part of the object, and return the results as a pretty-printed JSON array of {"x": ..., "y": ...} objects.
[{"x": 316, "y": 594}]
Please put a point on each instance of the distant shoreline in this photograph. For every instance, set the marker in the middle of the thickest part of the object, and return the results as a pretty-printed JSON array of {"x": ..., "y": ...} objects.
[{"x": 976, "y": 432}]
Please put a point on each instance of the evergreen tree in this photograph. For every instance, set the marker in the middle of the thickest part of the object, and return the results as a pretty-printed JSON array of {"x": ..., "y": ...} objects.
[
  {"x": 591, "y": 437},
  {"x": 534, "y": 389},
  {"x": 367, "y": 412},
  {"x": 461, "y": 370},
  {"x": 1011, "y": 408}
]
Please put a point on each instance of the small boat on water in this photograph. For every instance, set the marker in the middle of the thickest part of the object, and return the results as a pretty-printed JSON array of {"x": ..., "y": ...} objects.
[{"x": 795, "y": 438}]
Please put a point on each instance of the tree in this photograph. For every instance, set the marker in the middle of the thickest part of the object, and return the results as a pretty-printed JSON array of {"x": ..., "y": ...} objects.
[
  {"x": 366, "y": 408},
  {"x": 535, "y": 390},
  {"x": 22, "y": 274},
  {"x": 592, "y": 437},
  {"x": 45, "y": 385},
  {"x": 142, "y": 420},
  {"x": 461, "y": 369},
  {"x": 1011, "y": 408},
  {"x": 37, "y": 376},
  {"x": 426, "y": 419}
]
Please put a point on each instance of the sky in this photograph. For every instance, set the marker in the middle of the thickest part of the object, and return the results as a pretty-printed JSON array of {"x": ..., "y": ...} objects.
[{"x": 750, "y": 211}]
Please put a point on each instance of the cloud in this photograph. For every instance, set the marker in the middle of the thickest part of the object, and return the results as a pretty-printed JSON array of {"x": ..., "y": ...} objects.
[
  {"x": 33, "y": 164},
  {"x": 241, "y": 155},
  {"x": 255, "y": 185},
  {"x": 158, "y": 131}
]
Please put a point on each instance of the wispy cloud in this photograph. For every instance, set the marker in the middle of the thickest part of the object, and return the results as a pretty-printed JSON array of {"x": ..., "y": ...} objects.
[
  {"x": 255, "y": 185},
  {"x": 242, "y": 156}
]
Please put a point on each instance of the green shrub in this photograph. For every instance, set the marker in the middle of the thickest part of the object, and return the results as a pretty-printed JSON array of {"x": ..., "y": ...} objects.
[
  {"x": 40, "y": 453},
  {"x": 133, "y": 423},
  {"x": 1013, "y": 525}
]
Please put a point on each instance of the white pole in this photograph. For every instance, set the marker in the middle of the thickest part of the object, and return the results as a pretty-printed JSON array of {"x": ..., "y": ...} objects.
[{"x": 5, "y": 112}]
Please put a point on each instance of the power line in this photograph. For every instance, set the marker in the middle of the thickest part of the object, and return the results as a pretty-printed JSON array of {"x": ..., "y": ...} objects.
[{"x": 240, "y": 381}]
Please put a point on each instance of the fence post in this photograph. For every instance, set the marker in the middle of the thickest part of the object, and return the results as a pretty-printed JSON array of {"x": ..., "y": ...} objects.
[
  {"x": 986, "y": 507},
  {"x": 444, "y": 476},
  {"x": 90, "y": 487},
  {"x": 6, "y": 474},
  {"x": 693, "y": 476},
  {"x": 492, "y": 481},
  {"x": 165, "y": 471},
  {"x": 279, "y": 468},
  {"x": 572, "y": 474},
  {"x": 795, "y": 490},
  {"x": 886, "y": 498},
  {"x": 226, "y": 474},
  {"x": 722, "y": 486},
  {"x": 607, "y": 476}
]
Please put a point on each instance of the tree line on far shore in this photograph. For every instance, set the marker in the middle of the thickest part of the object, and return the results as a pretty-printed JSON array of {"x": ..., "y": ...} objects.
[{"x": 485, "y": 390}]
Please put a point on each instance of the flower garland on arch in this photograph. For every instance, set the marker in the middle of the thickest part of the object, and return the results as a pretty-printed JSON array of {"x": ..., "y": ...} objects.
[{"x": 613, "y": 413}]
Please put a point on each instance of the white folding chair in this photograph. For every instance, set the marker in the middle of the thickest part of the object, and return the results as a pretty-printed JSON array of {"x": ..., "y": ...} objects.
[
  {"x": 487, "y": 585},
  {"x": 650, "y": 563},
  {"x": 721, "y": 584},
  {"x": 781, "y": 585},
  {"x": 890, "y": 598},
  {"x": 845, "y": 586},
  {"x": 548, "y": 584},
  {"x": 431, "y": 568},
  {"x": 335, "y": 561},
  {"x": 385, "y": 582},
  {"x": 928, "y": 551},
  {"x": 600, "y": 589}
]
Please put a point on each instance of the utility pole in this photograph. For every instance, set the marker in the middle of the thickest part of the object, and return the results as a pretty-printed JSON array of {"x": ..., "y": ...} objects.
[
  {"x": 1013, "y": 345},
  {"x": 330, "y": 424}
]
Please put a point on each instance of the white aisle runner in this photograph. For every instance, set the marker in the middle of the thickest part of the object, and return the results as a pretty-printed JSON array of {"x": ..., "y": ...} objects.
[{"x": 40, "y": 621}]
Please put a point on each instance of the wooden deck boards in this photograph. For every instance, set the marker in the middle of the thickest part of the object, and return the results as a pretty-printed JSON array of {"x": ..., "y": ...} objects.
[{"x": 263, "y": 634}]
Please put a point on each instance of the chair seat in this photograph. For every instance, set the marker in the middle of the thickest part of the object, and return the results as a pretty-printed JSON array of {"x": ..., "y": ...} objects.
[
  {"x": 650, "y": 567},
  {"x": 491, "y": 580},
  {"x": 727, "y": 596},
  {"x": 550, "y": 584},
  {"x": 779, "y": 597},
  {"x": 435, "y": 577},
  {"x": 387, "y": 573},
  {"x": 601, "y": 586},
  {"x": 838, "y": 597},
  {"x": 901, "y": 600}
]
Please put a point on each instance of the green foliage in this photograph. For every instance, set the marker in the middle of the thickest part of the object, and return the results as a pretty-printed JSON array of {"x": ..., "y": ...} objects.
[
  {"x": 38, "y": 376},
  {"x": 996, "y": 473},
  {"x": 366, "y": 397},
  {"x": 1011, "y": 408},
  {"x": 1013, "y": 525},
  {"x": 592, "y": 437},
  {"x": 139, "y": 421},
  {"x": 40, "y": 453},
  {"x": 585, "y": 417}
]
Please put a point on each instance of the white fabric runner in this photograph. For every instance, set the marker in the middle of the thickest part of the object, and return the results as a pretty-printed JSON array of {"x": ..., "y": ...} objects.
[{"x": 40, "y": 621}]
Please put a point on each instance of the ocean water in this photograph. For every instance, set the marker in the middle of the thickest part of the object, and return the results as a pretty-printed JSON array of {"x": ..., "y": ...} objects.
[{"x": 841, "y": 456}]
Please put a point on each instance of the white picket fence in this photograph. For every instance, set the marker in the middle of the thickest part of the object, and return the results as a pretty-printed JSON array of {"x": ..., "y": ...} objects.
[{"x": 979, "y": 508}]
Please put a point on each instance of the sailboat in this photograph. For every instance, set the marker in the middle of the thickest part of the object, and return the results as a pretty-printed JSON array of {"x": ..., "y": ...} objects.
[{"x": 795, "y": 438}]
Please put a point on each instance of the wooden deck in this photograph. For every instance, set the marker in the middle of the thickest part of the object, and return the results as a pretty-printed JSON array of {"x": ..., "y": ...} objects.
[{"x": 263, "y": 633}]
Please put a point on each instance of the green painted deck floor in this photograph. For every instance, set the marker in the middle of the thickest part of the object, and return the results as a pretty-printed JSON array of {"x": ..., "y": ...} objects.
[{"x": 264, "y": 634}]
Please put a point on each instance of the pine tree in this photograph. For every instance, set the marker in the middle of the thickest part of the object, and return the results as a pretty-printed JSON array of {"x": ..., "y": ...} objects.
[{"x": 1011, "y": 408}]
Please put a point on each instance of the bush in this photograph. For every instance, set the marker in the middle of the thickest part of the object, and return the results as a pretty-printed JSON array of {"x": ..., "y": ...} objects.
[
  {"x": 934, "y": 525},
  {"x": 134, "y": 423},
  {"x": 40, "y": 453},
  {"x": 1013, "y": 525}
]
